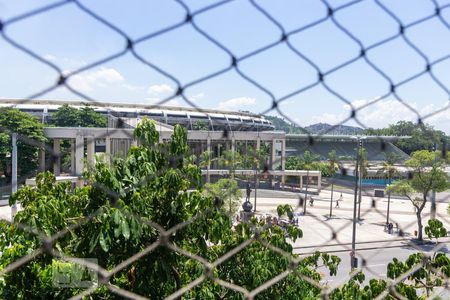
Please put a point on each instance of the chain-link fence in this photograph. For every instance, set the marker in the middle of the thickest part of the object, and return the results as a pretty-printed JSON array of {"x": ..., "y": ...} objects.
[{"x": 139, "y": 225}]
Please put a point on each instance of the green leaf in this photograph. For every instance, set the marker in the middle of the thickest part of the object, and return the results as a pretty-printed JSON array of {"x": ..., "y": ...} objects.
[
  {"x": 125, "y": 229},
  {"x": 103, "y": 242}
]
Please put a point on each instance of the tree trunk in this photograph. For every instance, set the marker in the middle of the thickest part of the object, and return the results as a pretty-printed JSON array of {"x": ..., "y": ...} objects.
[{"x": 419, "y": 225}]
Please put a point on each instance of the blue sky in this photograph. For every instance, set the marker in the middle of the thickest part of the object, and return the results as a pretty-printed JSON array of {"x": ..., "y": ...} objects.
[{"x": 69, "y": 38}]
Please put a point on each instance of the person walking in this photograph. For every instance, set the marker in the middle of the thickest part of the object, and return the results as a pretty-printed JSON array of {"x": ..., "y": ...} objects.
[{"x": 338, "y": 200}]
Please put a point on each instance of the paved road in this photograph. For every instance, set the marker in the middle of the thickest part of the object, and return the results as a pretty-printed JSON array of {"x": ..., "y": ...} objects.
[{"x": 263, "y": 193}]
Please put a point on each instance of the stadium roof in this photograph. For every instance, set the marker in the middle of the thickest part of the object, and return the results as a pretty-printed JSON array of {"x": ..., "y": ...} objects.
[{"x": 341, "y": 137}]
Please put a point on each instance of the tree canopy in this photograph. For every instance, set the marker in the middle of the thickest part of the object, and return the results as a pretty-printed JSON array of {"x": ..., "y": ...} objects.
[
  {"x": 68, "y": 116},
  {"x": 423, "y": 136},
  {"x": 114, "y": 217},
  {"x": 30, "y": 132},
  {"x": 427, "y": 175}
]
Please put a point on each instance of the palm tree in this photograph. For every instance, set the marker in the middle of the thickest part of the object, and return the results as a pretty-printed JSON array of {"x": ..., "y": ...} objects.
[
  {"x": 333, "y": 165},
  {"x": 363, "y": 172},
  {"x": 389, "y": 171},
  {"x": 309, "y": 159},
  {"x": 205, "y": 162},
  {"x": 230, "y": 160}
]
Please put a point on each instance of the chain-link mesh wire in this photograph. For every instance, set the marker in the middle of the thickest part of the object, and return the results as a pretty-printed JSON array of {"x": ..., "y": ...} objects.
[{"x": 333, "y": 236}]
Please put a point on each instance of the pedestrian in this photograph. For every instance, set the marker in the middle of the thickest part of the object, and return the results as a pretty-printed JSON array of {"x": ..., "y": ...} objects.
[
  {"x": 390, "y": 227},
  {"x": 338, "y": 200},
  {"x": 301, "y": 201}
]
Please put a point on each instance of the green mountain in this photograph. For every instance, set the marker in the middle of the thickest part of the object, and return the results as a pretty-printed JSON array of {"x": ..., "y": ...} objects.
[{"x": 319, "y": 128}]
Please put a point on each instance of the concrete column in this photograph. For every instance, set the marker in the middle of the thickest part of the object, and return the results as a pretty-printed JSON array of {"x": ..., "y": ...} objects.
[
  {"x": 57, "y": 157},
  {"x": 301, "y": 182},
  {"x": 72, "y": 156},
  {"x": 134, "y": 142},
  {"x": 208, "y": 166},
  {"x": 42, "y": 157},
  {"x": 90, "y": 149},
  {"x": 108, "y": 145},
  {"x": 258, "y": 143},
  {"x": 79, "y": 155},
  {"x": 319, "y": 183},
  {"x": 272, "y": 162},
  {"x": 274, "y": 142}
]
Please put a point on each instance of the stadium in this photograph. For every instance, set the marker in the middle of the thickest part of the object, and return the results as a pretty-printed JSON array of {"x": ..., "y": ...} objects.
[{"x": 208, "y": 130}]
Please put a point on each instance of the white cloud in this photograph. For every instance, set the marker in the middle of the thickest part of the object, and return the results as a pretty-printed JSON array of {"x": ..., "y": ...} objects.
[
  {"x": 102, "y": 77},
  {"x": 50, "y": 57},
  {"x": 159, "y": 89},
  {"x": 236, "y": 103},
  {"x": 196, "y": 97},
  {"x": 328, "y": 118}
]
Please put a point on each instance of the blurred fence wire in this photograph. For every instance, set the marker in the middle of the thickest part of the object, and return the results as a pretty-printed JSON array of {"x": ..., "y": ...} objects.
[{"x": 164, "y": 233}]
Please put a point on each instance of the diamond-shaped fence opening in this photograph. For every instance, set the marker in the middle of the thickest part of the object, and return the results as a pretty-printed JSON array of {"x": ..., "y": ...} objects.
[{"x": 140, "y": 222}]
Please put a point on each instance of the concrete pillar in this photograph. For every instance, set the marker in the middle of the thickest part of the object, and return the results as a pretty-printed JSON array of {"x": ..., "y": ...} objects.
[
  {"x": 134, "y": 142},
  {"x": 273, "y": 159},
  {"x": 72, "y": 156},
  {"x": 301, "y": 182},
  {"x": 208, "y": 166},
  {"x": 90, "y": 149},
  {"x": 108, "y": 150},
  {"x": 79, "y": 155},
  {"x": 233, "y": 144},
  {"x": 319, "y": 183},
  {"x": 42, "y": 157},
  {"x": 57, "y": 157},
  {"x": 258, "y": 143},
  {"x": 108, "y": 145}
]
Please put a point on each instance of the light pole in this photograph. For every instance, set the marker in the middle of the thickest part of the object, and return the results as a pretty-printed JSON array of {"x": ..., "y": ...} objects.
[
  {"x": 353, "y": 259},
  {"x": 360, "y": 147},
  {"x": 256, "y": 188},
  {"x": 14, "y": 172},
  {"x": 306, "y": 192},
  {"x": 388, "y": 206},
  {"x": 331, "y": 200},
  {"x": 433, "y": 192}
]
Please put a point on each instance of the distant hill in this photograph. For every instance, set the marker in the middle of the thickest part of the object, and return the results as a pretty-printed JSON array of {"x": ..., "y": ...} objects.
[
  {"x": 339, "y": 129},
  {"x": 283, "y": 125},
  {"x": 319, "y": 128}
]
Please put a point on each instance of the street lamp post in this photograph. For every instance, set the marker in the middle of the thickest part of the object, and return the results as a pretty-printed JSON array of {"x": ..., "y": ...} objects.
[
  {"x": 353, "y": 259},
  {"x": 360, "y": 147},
  {"x": 14, "y": 172},
  {"x": 306, "y": 192},
  {"x": 256, "y": 187},
  {"x": 388, "y": 206},
  {"x": 331, "y": 200},
  {"x": 433, "y": 192}
]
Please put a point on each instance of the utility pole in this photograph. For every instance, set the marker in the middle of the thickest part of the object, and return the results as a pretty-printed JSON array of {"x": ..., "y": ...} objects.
[
  {"x": 353, "y": 259},
  {"x": 306, "y": 192},
  {"x": 331, "y": 200},
  {"x": 14, "y": 172},
  {"x": 433, "y": 192},
  {"x": 360, "y": 147},
  {"x": 256, "y": 186},
  {"x": 388, "y": 206}
]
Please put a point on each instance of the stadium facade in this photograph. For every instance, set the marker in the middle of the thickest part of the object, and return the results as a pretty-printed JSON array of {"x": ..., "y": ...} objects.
[{"x": 208, "y": 130}]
